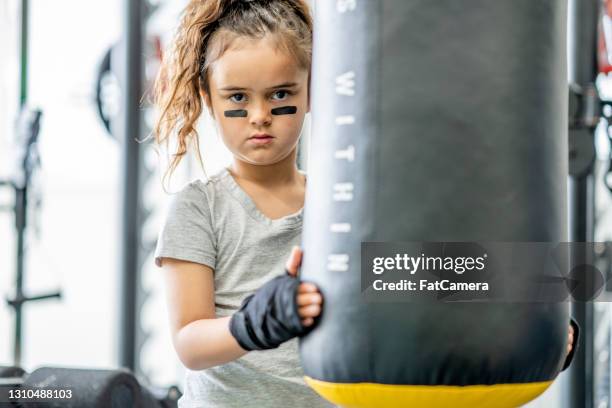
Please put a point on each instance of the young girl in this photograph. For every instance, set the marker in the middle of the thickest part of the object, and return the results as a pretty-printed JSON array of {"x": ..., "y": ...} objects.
[
  {"x": 234, "y": 311},
  {"x": 224, "y": 242}
]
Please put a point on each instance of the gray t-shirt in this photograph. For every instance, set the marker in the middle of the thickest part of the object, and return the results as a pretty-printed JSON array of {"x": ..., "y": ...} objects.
[{"x": 216, "y": 223}]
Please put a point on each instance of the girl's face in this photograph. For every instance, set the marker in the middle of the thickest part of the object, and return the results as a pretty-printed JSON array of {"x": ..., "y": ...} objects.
[{"x": 253, "y": 76}]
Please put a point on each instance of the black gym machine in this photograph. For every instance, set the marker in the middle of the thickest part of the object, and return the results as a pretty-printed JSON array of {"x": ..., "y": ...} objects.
[
  {"x": 126, "y": 385},
  {"x": 586, "y": 110}
]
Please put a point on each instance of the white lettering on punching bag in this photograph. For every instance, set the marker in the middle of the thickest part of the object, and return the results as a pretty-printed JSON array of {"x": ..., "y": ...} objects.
[
  {"x": 345, "y": 120},
  {"x": 340, "y": 227},
  {"x": 348, "y": 154},
  {"x": 337, "y": 262},
  {"x": 345, "y": 5},
  {"x": 343, "y": 192},
  {"x": 345, "y": 84}
]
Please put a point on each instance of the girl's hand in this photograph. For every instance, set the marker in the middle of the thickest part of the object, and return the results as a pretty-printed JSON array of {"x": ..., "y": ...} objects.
[
  {"x": 572, "y": 343},
  {"x": 571, "y": 339},
  {"x": 309, "y": 299}
]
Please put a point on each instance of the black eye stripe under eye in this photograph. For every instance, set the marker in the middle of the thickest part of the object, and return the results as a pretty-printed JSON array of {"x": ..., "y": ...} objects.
[
  {"x": 242, "y": 113},
  {"x": 238, "y": 113},
  {"x": 284, "y": 110}
]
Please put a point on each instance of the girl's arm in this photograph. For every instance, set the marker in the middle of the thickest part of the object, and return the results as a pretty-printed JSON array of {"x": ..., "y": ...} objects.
[{"x": 200, "y": 339}]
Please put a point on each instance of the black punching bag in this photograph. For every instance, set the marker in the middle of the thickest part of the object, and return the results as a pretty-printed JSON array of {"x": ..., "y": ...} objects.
[{"x": 434, "y": 121}]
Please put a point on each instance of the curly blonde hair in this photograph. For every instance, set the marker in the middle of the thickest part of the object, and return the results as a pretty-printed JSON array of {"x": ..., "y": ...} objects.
[{"x": 206, "y": 31}]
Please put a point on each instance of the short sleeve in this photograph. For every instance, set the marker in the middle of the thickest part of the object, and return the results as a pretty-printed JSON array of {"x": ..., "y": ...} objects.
[{"x": 187, "y": 230}]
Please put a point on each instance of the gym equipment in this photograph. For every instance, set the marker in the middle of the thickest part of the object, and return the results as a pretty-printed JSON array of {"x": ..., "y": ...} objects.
[
  {"x": 89, "y": 388},
  {"x": 434, "y": 121},
  {"x": 11, "y": 371},
  {"x": 106, "y": 86},
  {"x": 24, "y": 166},
  {"x": 107, "y": 92},
  {"x": 582, "y": 74},
  {"x": 116, "y": 388},
  {"x": 11, "y": 378}
]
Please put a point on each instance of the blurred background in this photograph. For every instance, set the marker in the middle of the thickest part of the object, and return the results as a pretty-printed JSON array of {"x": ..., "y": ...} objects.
[
  {"x": 81, "y": 202},
  {"x": 68, "y": 66}
]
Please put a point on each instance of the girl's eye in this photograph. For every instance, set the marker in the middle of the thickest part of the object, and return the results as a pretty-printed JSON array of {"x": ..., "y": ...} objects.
[
  {"x": 283, "y": 95},
  {"x": 237, "y": 98}
]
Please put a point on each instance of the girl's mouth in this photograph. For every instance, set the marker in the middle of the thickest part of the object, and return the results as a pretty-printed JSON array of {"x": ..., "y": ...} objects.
[{"x": 261, "y": 139}]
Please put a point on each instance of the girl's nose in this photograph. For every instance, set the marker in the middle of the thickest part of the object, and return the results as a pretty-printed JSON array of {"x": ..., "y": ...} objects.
[{"x": 260, "y": 114}]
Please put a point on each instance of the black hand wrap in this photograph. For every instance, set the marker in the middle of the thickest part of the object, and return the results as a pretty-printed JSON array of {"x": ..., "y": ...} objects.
[
  {"x": 570, "y": 356},
  {"x": 269, "y": 317}
]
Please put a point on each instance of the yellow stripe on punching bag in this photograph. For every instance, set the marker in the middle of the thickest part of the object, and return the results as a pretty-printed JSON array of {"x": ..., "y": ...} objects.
[{"x": 370, "y": 395}]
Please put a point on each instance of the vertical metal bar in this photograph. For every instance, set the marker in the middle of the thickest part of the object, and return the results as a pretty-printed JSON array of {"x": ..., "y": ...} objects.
[
  {"x": 581, "y": 230},
  {"x": 23, "y": 67},
  {"x": 21, "y": 193},
  {"x": 582, "y": 70},
  {"x": 20, "y": 223},
  {"x": 130, "y": 125}
]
